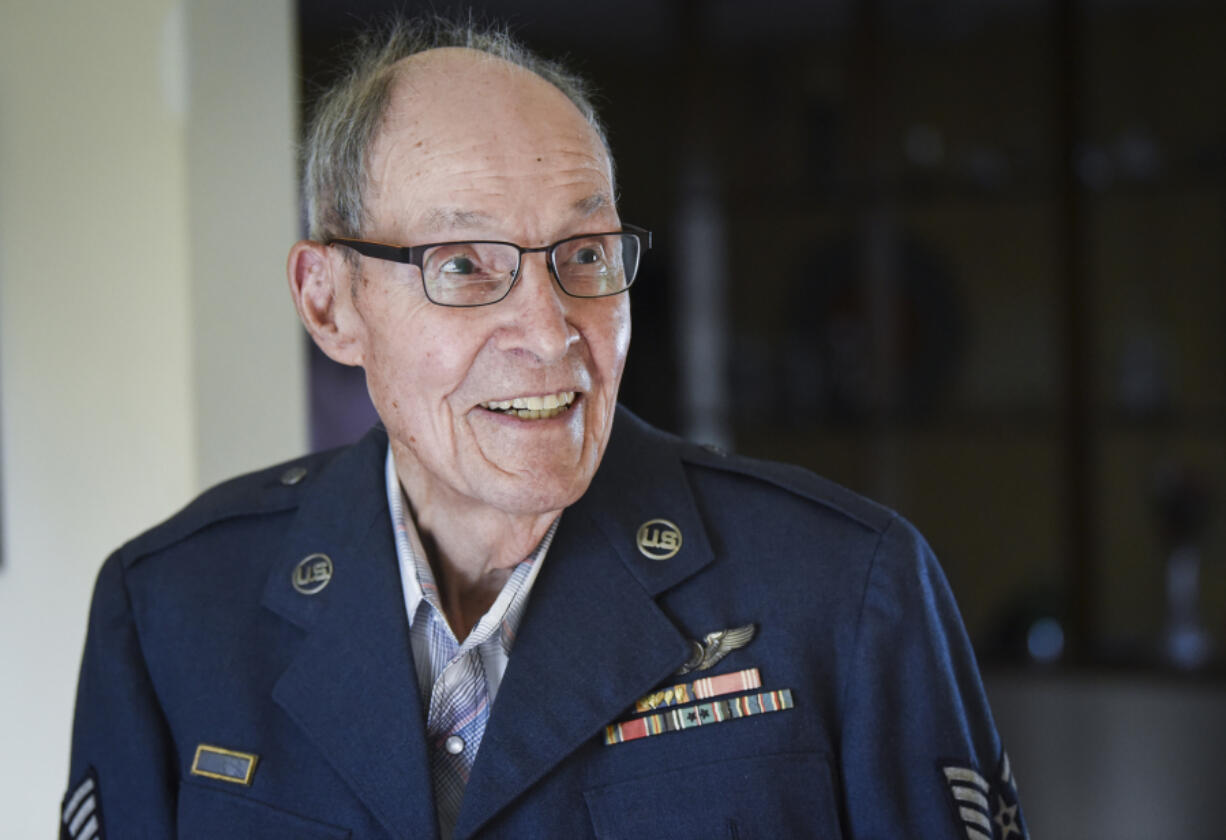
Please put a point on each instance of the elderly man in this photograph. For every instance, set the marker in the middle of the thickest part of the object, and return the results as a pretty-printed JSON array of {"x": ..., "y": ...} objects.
[{"x": 513, "y": 609}]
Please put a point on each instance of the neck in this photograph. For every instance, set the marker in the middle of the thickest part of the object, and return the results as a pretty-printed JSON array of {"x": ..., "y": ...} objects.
[
  {"x": 470, "y": 570},
  {"x": 472, "y": 548}
]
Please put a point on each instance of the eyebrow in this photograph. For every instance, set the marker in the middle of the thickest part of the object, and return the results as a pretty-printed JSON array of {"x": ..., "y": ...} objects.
[
  {"x": 448, "y": 218},
  {"x": 454, "y": 218},
  {"x": 592, "y": 204}
]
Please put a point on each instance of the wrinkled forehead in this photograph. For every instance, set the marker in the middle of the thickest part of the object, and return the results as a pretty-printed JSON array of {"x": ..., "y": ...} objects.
[
  {"x": 454, "y": 98},
  {"x": 459, "y": 118}
]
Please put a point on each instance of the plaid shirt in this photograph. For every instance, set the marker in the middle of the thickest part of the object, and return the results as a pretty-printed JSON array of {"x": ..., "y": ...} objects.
[{"x": 458, "y": 682}]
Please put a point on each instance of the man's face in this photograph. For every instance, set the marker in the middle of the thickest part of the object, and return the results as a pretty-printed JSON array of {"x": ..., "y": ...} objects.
[{"x": 473, "y": 148}]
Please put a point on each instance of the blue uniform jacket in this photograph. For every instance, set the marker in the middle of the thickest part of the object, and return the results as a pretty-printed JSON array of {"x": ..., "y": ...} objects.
[{"x": 197, "y": 636}]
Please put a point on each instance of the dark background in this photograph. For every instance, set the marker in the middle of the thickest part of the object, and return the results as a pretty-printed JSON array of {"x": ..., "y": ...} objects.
[{"x": 966, "y": 258}]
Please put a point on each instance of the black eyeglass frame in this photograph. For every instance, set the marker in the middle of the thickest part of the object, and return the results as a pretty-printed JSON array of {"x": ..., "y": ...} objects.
[{"x": 414, "y": 255}]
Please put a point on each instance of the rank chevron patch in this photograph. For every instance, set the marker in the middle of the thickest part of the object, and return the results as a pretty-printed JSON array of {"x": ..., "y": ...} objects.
[
  {"x": 987, "y": 810},
  {"x": 81, "y": 818}
]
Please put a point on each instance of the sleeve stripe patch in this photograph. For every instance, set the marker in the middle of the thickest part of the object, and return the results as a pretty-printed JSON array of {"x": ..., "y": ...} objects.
[
  {"x": 83, "y": 790},
  {"x": 967, "y": 776},
  {"x": 974, "y": 797},
  {"x": 82, "y": 817},
  {"x": 85, "y": 812},
  {"x": 972, "y": 816},
  {"x": 91, "y": 830},
  {"x": 983, "y": 810}
]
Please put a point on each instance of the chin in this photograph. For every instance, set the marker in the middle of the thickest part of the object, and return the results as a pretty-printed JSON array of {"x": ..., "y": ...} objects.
[{"x": 528, "y": 495}]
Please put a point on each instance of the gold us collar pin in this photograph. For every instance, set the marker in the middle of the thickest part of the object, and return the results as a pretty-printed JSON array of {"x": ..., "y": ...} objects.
[
  {"x": 312, "y": 573},
  {"x": 658, "y": 539}
]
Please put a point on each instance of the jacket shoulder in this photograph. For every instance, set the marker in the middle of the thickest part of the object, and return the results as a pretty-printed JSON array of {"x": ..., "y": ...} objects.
[
  {"x": 269, "y": 490},
  {"x": 795, "y": 481},
  {"x": 642, "y": 440}
]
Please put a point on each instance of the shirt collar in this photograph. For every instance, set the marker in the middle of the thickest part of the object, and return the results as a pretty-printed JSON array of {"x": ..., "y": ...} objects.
[{"x": 417, "y": 578}]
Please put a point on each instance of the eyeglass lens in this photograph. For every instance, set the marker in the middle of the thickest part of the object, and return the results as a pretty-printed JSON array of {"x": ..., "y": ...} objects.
[{"x": 475, "y": 273}]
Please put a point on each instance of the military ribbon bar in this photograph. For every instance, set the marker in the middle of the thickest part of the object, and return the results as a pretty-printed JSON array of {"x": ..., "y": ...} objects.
[
  {"x": 702, "y": 689},
  {"x": 702, "y": 714},
  {"x": 224, "y": 765}
]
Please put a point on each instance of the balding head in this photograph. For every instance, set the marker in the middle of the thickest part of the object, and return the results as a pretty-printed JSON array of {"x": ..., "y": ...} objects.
[
  {"x": 347, "y": 117},
  {"x": 459, "y": 121}
]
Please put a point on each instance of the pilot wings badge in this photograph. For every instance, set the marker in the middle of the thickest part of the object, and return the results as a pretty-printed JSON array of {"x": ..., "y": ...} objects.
[{"x": 715, "y": 646}]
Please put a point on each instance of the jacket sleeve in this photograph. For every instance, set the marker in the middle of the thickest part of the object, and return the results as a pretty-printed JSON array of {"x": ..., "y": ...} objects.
[
  {"x": 122, "y": 779},
  {"x": 920, "y": 755}
]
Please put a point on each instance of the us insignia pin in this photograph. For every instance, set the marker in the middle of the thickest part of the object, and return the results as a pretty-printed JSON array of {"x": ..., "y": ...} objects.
[
  {"x": 312, "y": 573},
  {"x": 224, "y": 765},
  {"x": 658, "y": 539},
  {"x": 715, "y": 646}
]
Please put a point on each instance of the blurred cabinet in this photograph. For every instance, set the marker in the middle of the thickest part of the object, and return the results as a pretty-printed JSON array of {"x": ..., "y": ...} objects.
[{"x": 898, "y": 307}]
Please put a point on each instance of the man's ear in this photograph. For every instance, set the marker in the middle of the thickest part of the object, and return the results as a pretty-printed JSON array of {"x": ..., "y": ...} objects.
[{"x": 319, "y": 280}]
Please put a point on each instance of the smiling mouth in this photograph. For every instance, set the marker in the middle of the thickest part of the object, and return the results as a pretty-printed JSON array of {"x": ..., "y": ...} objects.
[{"x": 533, "y": 408}]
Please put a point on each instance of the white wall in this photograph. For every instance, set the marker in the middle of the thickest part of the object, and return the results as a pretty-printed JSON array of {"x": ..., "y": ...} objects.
[{"x": 147, "y": 344}]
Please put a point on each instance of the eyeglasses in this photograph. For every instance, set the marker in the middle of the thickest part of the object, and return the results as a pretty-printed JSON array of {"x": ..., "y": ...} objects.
[{"x": 591, "y": 265}]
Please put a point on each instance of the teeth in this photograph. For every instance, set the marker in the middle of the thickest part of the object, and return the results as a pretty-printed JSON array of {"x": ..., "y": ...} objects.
[{"x": 533, "y": 408}]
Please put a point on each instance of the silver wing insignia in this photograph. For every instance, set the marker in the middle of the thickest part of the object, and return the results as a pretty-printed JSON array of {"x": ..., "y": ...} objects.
[{"x": 715, "y": 646}]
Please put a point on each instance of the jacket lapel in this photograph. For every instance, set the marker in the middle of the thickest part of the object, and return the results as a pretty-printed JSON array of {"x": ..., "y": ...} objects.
[
  {"x": 593, "y": 639},
  {"x": 351, "y": 687}
]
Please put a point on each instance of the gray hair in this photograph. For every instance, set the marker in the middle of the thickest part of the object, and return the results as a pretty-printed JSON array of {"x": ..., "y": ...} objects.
[{"x": 347, "y": 117}]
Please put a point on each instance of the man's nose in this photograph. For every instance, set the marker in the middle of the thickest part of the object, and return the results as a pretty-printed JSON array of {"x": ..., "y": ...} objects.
[{"x": 538, "y": 311}]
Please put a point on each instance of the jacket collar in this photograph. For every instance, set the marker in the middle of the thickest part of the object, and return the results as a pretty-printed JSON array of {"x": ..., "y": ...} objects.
[{"x": 641, "y": 479}]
